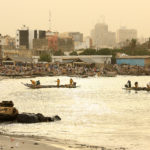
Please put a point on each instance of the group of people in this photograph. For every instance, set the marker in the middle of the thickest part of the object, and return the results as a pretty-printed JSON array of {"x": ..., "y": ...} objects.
[
  {"x": 36, "y": 83},
  {"x": 128, "y": 85},
  {"x": 71, "y": 83}
]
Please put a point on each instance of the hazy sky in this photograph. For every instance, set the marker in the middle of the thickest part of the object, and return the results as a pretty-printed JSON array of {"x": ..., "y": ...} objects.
[{"x": 74, "y": 15}]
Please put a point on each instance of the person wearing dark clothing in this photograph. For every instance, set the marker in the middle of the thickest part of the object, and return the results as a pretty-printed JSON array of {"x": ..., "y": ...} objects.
[
  {"x": 128, "y": 85},
  {"x": 136, "y": 84},
  {"x": 38, "y": 82}
]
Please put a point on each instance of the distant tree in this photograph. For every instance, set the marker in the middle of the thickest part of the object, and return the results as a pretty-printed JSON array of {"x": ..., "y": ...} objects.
[
  {"x": 104, "y": 51},
  {"x": 74, "y": 53},
  {"x": 45, "y": 57},
  {"x": 148, "y": 45},
  {"x": 88, "y": 52},
  {"x": 133, "y": 43}
]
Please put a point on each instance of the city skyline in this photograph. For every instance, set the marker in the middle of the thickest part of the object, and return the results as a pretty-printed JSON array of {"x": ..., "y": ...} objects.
[{"x": 70, "y": 15}]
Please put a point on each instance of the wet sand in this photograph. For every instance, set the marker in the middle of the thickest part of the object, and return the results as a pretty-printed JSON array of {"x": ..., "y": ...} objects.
[
  {"x": 24, "y": 143},
  {"x": 17, "y": 142}
]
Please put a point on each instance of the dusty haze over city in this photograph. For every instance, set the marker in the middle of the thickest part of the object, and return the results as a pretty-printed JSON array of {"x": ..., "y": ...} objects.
[{"x": 75, "y": 15}]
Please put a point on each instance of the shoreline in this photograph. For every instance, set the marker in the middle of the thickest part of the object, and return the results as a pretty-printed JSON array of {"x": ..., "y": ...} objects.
[
  {"x": 26, "y": 142},
  {"x": 24, "y": 77}
]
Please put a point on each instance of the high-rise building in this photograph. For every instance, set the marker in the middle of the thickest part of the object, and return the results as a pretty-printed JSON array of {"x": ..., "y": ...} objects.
[
  {"x": 86, "y": 44},
  {"x": 7, "y": 42},
  {"x": 124, "y": 34},
  {"x": 101, "y": 37},
  {"x": 54, "y": 42},
  {"x": 24, "y": 37},
  {"x": 76, "y": 36},
  {"x": 48, "y": 43}
]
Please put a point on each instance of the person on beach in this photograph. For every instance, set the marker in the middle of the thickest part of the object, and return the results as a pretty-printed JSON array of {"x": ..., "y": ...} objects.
[{"x": 58, "y": 82}]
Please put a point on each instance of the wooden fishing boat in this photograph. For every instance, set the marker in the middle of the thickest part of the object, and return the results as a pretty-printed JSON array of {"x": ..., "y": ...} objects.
[
  {"x": 137, "y": 89},
  {"x": 49, "y": 86},
  {"x": 107, "y": 75}
]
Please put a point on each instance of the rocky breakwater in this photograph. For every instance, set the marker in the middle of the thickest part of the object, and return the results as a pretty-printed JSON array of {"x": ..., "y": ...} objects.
[
  {"x": 9, "y": 113},
  {"x": 35, "y": 118}
]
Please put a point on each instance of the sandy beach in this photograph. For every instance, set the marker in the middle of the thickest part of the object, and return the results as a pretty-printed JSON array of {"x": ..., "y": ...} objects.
[{"x": 24, "y": 143}]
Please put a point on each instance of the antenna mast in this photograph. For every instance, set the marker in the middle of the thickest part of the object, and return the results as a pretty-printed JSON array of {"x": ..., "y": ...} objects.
[{"x": 50, "y": 20}]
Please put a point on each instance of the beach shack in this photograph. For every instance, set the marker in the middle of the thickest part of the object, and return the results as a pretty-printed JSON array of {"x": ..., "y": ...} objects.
[
  {"x": 16, "y": 61},
  {"x": 97, "y": 59},
  {"x": 134, "y": 60},
  {"x": 8, "y": 61},
  {"x": 88, "y": 62}
]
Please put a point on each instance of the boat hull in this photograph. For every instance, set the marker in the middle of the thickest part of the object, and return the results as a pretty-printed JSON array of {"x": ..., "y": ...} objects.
[
  {"x": 49, "y": 86},
  {"x": 138, "y": 89}
]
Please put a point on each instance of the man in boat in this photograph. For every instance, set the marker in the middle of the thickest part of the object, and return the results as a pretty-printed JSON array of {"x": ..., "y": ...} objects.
[
  {"x": 128, "y": 85},
  {"x": 58, "y": 82},
  {"x": 38, "y": 82},
  {"x": 148, "y": 85},
  {"x": 33, "y": 82},
  {"x": 136, "y": 84},
  {"x": 71, "y": 81}
]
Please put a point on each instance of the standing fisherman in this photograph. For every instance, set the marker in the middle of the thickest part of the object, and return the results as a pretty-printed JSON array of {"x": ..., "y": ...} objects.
[
  {"x": 58, "y": 82},
  {"x": 33, "y": 82},
  {"x": 71, "y": 81},
  {"x": 128, "y": 85},
  {"x": 136, "y": 84}
]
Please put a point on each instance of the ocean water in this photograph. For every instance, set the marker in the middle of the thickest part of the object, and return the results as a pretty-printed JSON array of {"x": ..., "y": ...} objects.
[{"x": 99, "y": 112}]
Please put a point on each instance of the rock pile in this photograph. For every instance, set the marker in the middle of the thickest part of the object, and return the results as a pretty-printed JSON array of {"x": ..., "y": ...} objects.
[
  {"x": 9, "y": 113},
  {"x": 35, "y": 118}
]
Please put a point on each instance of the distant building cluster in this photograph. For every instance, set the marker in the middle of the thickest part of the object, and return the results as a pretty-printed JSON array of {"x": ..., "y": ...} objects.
[
  {"x": 28, "y": 43},
  {"x": 34, "y": 42},
  {"x": 124, "y": 34},
  {"x": 7, "y": 42},
  {"x": 103, "y": 38},
  {"x": 25, "y": 37},
  {"x": 42, "y": 40}
]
